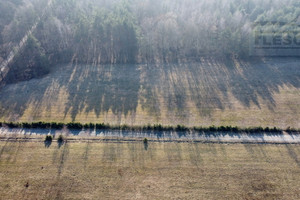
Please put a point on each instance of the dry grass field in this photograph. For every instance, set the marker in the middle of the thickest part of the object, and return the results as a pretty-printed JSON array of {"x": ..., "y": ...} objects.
[
  {"x": 129, "y": 170},
  {"x": 260, "y": 93}
]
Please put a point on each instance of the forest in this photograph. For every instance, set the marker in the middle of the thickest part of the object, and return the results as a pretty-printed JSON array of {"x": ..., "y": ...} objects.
[{"x": 131, "y": 31}]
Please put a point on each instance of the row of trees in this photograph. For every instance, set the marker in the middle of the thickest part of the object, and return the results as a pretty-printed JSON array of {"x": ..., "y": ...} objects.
[
  {"x": 155, "y": 127},
  {"x": 108, "y": 36}
]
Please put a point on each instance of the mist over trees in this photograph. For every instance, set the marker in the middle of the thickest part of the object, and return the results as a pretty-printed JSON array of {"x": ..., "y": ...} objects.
[{"x": 136, "y": 31}]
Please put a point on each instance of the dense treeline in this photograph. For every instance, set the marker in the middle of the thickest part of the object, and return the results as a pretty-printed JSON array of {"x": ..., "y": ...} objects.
[
  {"x": 134, "y": 31},
  {"x": 31, "y": 61},
  {"x": 16, "y": 18},
  {"x": 156, "y": 127}
]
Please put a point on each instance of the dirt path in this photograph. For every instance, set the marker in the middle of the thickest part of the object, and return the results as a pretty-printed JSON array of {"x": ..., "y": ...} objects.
[{"x": 112, "y": 135}]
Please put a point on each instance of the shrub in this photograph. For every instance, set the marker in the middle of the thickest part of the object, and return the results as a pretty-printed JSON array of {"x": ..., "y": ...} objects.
[
  {"x": 73, "y": 125},
  {"x": 86, "y": 126},
  {"x": 292, "y": 130},
  {"x": 235, "y": 129},
  {"x": 158, "y": 127},
  {"x": 48, "y": 138},
  {"x": 148, "y": 127},
  {"x": 100, "y": 126},
  {"x": 60, "y": 139},
  {"x": 12, "y": 125},
  {"x": 180, "y": 128},
  {"x": 26, "y": 125},
  {"x": 276, "y": 130},
  {"x": 212, "y": 128},
  {"x": 91, "y": 126},
  {"x": 145, "y": 141},
  {"x": 55, "y": 125},
  {"x": 124, "y": 127}
]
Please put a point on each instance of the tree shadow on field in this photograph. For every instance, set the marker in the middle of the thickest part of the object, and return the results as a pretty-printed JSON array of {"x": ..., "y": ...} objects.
[
  {"x": 47, "y": 143},
  {"x": 10, "y": 150},
  {"x": 195, "y": 154},
  {"x": 55, "y": 190},
  {"x": 86, "y": 154},
  {"x": 146, "y": 146},
  {"x": 15, "y": 98},
  {"x": 90, "y": 88},
  {"x": 60, "y": 142},
  {"x": 3, "y": 148},
  {"x": 101, "y": 89},
  {"x": 208, "y": 84},
  {"x": 178, "y": 91},
  {"x": 293, "y": 154}
]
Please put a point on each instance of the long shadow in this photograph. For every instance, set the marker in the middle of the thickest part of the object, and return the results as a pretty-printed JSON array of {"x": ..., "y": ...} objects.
[
  {"x": 177, "y": 91},
  {"x": 133, "y": 153},
  {"x": 109, "y": 153},
  {"x": 54, "y": 191},
  {"x": 105, "y": 88},
  {"x": 146, "y": 146},
  {"x": 207, "y": 84},
  {"x": 263, "y": 78},
  {"x": 11, "y": 148},
  {"x": 19, "y": 148},
  {"x": 63, "y": 158},
  {"x": 149, "y": 92},
  {"x": 97, "y": 89},
  {"x": 47, "y": 143},
  {"x": 86, "y": 154},
  {"x": 16, "y": 98},
  {"x": 3, "y": 148},
  {"x": 293, "y": 154},
  {"x": 39, "y": 94},
  {"x": 204, "y": 85}
]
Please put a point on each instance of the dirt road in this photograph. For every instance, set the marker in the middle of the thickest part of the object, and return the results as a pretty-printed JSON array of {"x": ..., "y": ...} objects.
[{"x": 165, "y": 136}]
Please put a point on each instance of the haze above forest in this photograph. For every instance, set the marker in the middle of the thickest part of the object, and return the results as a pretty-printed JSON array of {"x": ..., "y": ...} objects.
[{"x": 130, "y": 31}]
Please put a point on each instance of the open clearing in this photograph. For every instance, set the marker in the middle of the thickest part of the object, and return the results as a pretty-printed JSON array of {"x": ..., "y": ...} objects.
[
  {"x": 263, "y": 93},
  {"x": 131, "y": 170}
]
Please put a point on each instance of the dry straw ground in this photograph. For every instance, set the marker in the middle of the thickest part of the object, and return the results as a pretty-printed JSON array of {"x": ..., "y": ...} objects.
[
  {"x": 130, "y": 170},
  {"x": 260, "y": 93}
]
